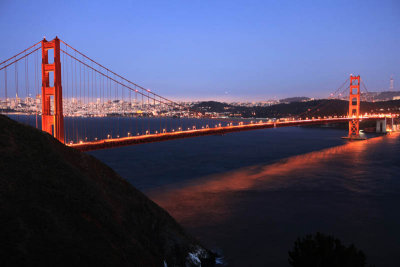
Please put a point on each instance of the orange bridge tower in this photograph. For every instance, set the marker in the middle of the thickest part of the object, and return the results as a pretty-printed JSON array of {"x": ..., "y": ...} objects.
[
  {"x": 354, "y": 108},
  {"x": 52, "y": 115}
]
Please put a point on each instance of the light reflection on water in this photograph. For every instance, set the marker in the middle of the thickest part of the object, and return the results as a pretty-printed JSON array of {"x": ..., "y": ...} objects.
[
  {"x": 351, "y": 191},
  {"x": 283, "y": 173}
]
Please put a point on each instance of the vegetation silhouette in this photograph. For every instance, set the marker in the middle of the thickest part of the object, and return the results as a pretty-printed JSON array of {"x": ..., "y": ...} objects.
[{"x": 321, "y": 250}]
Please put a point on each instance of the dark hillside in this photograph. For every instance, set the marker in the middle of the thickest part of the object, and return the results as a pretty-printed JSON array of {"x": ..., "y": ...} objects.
[
  {"x": 212, "y": 106},
  {"x": 321, "y": 107},
  {"x": 60, "y": 207}
]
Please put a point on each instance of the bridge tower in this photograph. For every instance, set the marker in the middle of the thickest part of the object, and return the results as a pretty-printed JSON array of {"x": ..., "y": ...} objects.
[
  {"x": 354, "y": 108},
  {"x": 52, "y": 116}
]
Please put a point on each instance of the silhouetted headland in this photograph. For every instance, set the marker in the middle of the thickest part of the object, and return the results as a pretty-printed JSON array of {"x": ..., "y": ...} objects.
[{"x": 60, "y": 207}]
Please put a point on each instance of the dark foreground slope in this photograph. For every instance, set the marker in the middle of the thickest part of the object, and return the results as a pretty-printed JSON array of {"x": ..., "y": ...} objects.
[{"x": 60, "y": 207}]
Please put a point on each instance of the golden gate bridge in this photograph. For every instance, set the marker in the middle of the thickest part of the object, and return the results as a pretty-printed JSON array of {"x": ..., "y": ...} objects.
[{"x": 59, "y": 84}]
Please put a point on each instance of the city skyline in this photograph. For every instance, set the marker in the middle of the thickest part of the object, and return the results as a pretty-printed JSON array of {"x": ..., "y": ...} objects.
[{"x": 224, "y": 50}]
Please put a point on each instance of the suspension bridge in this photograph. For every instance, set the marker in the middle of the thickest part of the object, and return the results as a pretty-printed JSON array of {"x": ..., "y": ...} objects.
[{"x": 58, "y": 85}]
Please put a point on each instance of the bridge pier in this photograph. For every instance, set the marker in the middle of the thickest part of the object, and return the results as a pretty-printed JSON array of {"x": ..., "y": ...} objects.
[
  {"x": 381, "y": 126},
  {"x": 395, "y": 125}
]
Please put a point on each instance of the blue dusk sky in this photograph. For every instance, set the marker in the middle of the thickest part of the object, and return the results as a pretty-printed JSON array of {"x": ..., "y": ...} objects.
[{"x": 222, "y": 50}]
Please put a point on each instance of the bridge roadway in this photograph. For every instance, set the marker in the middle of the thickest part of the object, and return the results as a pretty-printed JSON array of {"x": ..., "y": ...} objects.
[{"x": 149, "y": 138}]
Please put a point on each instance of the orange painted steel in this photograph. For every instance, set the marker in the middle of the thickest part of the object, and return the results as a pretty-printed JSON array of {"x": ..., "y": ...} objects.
[
  {"x": 354, "y": 107},
  {"x": 52, "y": 118}
]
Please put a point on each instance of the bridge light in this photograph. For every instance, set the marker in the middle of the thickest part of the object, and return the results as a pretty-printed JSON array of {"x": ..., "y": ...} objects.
[
  {"x": 108, "y": 136},
  {"x": 129, "y": 134}
]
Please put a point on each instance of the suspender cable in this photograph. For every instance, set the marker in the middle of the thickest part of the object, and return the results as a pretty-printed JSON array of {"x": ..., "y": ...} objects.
[{"x": 29, "y": 48}]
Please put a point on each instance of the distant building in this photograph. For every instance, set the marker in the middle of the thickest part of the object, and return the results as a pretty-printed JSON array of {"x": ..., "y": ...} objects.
[{"x": 391, "y": 88}]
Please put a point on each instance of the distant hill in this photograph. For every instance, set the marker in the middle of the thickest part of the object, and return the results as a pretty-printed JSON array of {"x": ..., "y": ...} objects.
[
  {"x": 388, "y": 95},
  {"x": 212, "y": 106},
  {"x": 380, "y": 96},
  {"x": 60, "y": 207},
  {"x": 295, "y": 99},
  {"x": 312, "y": 108}
]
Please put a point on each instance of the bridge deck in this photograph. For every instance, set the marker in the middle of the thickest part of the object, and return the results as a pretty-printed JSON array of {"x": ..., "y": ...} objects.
[{"x": 135, "y": 140}]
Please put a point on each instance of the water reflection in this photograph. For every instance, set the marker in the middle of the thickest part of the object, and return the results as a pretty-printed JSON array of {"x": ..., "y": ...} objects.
[
  {"x": 253, "y": 215},
  {"x": 208, "y": 200}
]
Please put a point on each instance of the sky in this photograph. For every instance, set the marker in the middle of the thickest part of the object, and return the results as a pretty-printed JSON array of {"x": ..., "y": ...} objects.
[{"x": 221, "y": 50}]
